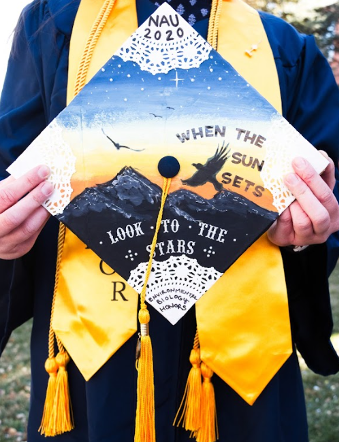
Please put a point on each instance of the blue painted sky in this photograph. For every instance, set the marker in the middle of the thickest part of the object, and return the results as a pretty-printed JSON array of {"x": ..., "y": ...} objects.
[{"x": 123, "y": 91}]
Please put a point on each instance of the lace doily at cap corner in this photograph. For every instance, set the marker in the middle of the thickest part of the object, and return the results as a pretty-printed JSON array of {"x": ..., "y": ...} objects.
[
  {"x": 176, "y": 274},
  {"x": 160, "y": 57},
  {"x": 284, "y": 145},
  {"x": 54, "y": 152}
]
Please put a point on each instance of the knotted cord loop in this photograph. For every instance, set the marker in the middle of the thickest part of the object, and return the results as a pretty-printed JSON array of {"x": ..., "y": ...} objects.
[
  {"x": 92, "y": 40},
  {"x": 214, "y": 20}
]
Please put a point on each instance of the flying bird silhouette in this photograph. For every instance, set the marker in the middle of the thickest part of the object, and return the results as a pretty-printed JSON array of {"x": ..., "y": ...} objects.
[
  {"x": 206, "y": 173},
  {"x": 120, "y": 146},
  {"x": 168, "y": 107},
  {"x": 156, "y": 116}
]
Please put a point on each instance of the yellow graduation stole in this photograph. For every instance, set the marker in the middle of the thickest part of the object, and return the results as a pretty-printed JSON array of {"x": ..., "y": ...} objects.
[{"x": 246, "y": 341}]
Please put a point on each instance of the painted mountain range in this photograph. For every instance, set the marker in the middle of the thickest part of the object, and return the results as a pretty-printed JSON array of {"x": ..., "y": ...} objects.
[{"x": 116, "y": 220}]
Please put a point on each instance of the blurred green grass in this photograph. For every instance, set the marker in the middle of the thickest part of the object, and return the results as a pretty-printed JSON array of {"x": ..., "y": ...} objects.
[
  {"x": 322, "y": 393},
  {"x": 322, "y": 396}
]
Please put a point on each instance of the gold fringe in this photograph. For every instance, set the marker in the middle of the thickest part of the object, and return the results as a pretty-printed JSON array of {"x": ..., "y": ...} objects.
[
  {"x": 209, "y": 430},
  {"x": 62, "y": 417},
  {"x": 51, "y": 367},
  {"x": 190, "y": 418}
]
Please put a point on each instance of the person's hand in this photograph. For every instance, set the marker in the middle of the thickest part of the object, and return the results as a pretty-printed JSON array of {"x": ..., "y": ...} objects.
[
  {"x": 314, "y": 215},
  {"x": 21, "y": 215}
]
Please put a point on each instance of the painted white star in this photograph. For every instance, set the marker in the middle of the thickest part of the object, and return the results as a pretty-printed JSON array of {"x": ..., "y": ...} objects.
[{"x": 177, "y": 79}]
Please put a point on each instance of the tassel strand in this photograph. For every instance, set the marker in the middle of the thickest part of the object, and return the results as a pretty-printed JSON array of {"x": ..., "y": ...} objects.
[
  {"x": 145, "y": 414},
  {"x": 209, "y": 430},
  {"x": 145, "y": 430},
  {"x": 51, "y": 367},
  {"x": 62, "y": 417},
  {"x": 190, "y": 417}
]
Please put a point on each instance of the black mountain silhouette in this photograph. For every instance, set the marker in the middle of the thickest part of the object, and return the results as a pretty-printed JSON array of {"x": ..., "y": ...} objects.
[{"x": 130, "y": 203}]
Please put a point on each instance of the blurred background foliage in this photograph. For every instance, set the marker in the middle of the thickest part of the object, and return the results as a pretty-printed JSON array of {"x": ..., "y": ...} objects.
[{"x": 317, "y": 17}]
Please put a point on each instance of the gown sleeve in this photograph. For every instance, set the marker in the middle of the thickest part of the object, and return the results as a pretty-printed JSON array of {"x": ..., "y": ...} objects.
[
  {"x": 22, "y": 118},
  {"x": 310, "y": 103}
]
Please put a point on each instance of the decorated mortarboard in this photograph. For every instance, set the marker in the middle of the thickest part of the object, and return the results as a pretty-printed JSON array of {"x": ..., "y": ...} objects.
[{"x": 167, "y": 104}]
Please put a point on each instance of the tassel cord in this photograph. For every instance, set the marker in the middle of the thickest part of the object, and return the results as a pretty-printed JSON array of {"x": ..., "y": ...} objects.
[
  {"x": 145, "y": 430},
  {"x": 165, "y": 191}
]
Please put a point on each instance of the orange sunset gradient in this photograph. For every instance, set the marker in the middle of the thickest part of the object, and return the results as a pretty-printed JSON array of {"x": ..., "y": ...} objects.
[{"x": 98, "y": 161}]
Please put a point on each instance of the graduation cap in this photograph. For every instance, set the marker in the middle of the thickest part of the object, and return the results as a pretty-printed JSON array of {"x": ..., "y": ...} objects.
[{"x": 169, "y": 165}]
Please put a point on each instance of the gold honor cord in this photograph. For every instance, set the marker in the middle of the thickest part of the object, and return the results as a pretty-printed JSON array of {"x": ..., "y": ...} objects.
[
  {"x": 214, "y": 21},
  {"x": 92, "y": 40},
  {"x": 57, "y": 414}
]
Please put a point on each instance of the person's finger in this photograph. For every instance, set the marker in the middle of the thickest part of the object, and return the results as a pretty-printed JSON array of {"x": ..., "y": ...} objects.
[
  {"x": 6, "y": 181},
  {"x": 18, "y": 250},
  {"x": 319, "y": 186},
  {"x": 315, "y": 209},
  {"x": 328, "y": 175},
  {"x": 17, "y": 214},
  {"x": 280, "y": 233},
  {"x": 302, "y": 226},
  {"x": 14, "y": 190},
  {"x": 27, "y": 231}
]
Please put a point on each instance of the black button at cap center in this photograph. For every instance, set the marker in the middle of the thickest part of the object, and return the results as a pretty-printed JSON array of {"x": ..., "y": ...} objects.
[{"x": 168, "y": 166}]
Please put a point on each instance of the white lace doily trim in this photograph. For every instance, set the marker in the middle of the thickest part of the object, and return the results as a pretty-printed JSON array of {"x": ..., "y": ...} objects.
[
  {"x": 285, "y": 144},
  {"x": 50, "y": 149},
  {"x": 159, "y": 56},
  {"x": 179, "y": 278}
]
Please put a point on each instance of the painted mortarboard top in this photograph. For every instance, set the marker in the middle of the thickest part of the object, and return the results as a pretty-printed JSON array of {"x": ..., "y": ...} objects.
[{"x": 167, "y": 99}]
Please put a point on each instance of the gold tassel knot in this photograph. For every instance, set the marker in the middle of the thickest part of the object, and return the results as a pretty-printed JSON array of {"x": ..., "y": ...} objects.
[{"x": 145, "y": 413}]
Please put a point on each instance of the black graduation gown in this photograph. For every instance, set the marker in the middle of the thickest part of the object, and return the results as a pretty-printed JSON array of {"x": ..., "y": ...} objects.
[{"x": 104, "y": 408}]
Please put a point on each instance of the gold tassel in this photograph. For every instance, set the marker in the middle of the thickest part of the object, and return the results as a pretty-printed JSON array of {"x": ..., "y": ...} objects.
[
  {"x": 62, "y": 417},
  {"x": 145, "y": 414},
  {"x": 191, "y": 402},
  {"x": 145, "y": 430},
  {"x": 208, "y": 431},
  {"x": 51, "y": 367}
]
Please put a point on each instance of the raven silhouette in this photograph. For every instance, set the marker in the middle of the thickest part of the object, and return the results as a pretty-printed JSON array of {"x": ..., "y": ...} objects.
[
  {"x": 120, "y": 146},
  {"x": 206, "y": 173}
]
